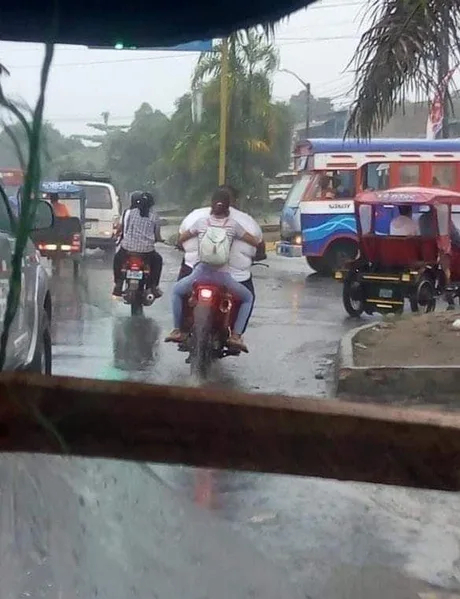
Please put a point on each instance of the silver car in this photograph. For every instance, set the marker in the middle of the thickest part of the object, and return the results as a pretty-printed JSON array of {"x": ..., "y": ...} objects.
[{"x": 29, "y": 341}]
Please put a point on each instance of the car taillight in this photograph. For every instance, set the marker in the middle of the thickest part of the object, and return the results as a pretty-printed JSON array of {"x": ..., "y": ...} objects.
[
  {"x": 76, "y": 242},
  {"x": 205, "y": 293}
]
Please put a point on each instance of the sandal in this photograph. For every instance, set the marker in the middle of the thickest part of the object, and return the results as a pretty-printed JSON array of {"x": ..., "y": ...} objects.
[
  {"x": 175, "y": 336},
  {"x": 237, "y": 342}
]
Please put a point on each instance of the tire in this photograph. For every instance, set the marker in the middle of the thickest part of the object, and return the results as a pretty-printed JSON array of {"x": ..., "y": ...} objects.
[
  {"x": 76, "y": 268},
  {"x": 42, "y": 360},
  {"x": 137, "y": 309},
  {"x": 423, "y": 298},
  {"x": 201, "y": 352},
  {"x": 338, "y": 254},
  {"x": 352, "y": 302},
  {"x": 316, "y": 263}
]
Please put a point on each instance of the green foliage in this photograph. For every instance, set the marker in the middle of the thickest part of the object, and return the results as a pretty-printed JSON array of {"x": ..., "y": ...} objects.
[
  {"x": 398, "y": 56},
  {"x": 179, "y": 154}
]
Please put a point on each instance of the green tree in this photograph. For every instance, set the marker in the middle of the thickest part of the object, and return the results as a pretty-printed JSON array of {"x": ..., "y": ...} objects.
[
  {"x": 132, "y": 154},
  {"x": 57, "y": 151},
  {"x": 258, "y": 129},
  {"x": 399, "y": 55}
]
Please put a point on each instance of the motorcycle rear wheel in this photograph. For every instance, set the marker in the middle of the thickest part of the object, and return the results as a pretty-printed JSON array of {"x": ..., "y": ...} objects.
[{"x": 201, "y": 351}]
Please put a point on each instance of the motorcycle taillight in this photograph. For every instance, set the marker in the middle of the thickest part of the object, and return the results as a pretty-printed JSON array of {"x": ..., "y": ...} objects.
[
  {"x": 135, "y": 265},
  {"x": 205, "y": 293}
]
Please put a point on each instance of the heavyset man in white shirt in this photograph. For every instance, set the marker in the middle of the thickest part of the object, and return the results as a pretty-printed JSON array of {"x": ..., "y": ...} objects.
[
  {"x": 403, "y": 225},
  {"x": 241, "y": 253}
]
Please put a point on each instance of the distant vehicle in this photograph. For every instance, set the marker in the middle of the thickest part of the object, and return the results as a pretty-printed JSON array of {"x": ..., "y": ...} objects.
[
  {"x": 103, "y": 208},
  {"x": 29, "y": 343},
  {"x": 66, "y": 240},
  {"x": 11, "y": 180},
  {"x": 279, "y": 187},
  {"x": 333, "y": 171}
]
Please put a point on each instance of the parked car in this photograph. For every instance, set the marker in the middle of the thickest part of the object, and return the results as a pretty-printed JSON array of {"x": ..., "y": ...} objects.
[{"x": 29, "y": 341}]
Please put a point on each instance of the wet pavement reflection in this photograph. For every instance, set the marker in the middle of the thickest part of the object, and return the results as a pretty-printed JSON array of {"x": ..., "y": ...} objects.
[{"x": 94, "y": 528}]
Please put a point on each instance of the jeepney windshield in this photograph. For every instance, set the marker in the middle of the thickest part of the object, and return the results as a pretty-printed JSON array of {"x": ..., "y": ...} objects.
[{"x": 297, "y": 191}]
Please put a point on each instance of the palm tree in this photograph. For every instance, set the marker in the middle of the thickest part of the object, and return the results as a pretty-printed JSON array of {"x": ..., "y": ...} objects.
[
  {"x": 402, "y": 53},
  {"x": 252, "y": 61}
]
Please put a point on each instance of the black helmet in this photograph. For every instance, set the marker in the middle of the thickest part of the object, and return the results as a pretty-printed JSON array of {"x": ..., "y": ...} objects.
[{"x": 139, "y": 198}]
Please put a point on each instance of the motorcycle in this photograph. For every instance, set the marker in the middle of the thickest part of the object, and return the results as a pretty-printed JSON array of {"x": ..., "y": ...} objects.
[
  {"x": 135, "y": 293},
  {"x": 208, "y": 317}
]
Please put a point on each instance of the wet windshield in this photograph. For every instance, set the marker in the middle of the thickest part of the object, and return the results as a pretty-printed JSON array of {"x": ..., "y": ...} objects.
[
  {"x": 297, "y": 191},
  {"x": 196, "y": 437}
]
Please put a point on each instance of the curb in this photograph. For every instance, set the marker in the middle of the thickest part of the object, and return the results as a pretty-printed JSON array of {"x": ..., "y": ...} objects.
[{"x": 402, "y": 382}]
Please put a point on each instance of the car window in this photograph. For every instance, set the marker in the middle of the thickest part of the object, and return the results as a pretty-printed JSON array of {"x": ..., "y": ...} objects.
[
  {"x": 98, "y": 197},
  {"x": 409, "y": 174},
  {"x": 444, "y": 175},
  {"x": 376, "y": 176}
]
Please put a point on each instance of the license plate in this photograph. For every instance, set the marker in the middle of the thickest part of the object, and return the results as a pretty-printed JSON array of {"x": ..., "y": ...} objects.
[
  {"x": 386, "y": 293},
  {"x": 135, "y": 274}
]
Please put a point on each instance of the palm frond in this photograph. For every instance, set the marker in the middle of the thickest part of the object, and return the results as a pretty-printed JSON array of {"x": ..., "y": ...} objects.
[{"x": 398, "y": 56}]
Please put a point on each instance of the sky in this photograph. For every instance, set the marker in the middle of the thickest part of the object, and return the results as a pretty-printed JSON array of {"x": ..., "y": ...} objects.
[{"x": 317, "y": 43}]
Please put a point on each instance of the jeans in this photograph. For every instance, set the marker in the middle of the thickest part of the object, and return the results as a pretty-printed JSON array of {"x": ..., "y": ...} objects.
[
  {"x": 154, "y": 260},
  {"x": 206, "y": 274},
  {"x": 185, "y": 270}
]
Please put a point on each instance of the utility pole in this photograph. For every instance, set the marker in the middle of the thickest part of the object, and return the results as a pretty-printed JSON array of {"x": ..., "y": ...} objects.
[
  {"x": 307, "y": 99},
  {"x": 307, "y": 110},
  {"x": 443, "y": 72},
  {"x": 223, "y": 111}
]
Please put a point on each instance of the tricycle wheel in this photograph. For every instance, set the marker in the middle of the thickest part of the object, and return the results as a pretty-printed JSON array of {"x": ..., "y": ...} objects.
[
  {"x": 352, "y": 295},
  {"x": 423, "y": 298},
  {"x": 339, "y": 254}
]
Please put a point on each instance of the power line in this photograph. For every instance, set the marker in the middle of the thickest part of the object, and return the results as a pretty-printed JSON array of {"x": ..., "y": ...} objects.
[
  {"x": 285, "y": 42},
  {"x": 93, "y": 62}
]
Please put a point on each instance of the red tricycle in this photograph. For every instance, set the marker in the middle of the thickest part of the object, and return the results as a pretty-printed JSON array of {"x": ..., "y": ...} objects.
[{"x": 409, "y": 248}]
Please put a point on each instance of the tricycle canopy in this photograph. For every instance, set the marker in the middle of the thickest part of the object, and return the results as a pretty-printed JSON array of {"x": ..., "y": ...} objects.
[
  {"x": 409, "y": 195},
  {"x": 73, "y": 196}
]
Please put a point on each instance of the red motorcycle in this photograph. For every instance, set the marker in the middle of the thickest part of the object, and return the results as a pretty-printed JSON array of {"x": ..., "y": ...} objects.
[
  {"x": 136, "y": 273},
  {"x": 208, "y": 318}
]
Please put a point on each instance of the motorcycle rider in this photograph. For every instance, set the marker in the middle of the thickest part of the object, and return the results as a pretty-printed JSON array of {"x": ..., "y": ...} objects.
[
  {"x": 241, "y": 253},
  {"x": 220, "y": 275},
  {"x": 140, "y": 230}
]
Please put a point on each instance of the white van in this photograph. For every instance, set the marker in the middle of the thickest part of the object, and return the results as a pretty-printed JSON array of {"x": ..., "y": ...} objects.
[{"x": 103, "y": 210}]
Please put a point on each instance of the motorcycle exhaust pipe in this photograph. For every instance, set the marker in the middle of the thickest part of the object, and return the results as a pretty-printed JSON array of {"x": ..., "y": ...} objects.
[{"x": 149, "y": 298}]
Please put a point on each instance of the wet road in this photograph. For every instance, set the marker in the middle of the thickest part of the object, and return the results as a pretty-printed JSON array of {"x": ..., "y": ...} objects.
[{"x": 93, "y": 528}]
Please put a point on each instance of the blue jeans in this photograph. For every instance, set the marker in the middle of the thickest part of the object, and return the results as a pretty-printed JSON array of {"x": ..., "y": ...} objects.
[{"x": 206, "y": 274}]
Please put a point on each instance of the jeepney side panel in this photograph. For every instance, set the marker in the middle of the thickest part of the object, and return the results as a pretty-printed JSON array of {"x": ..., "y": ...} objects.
[{"x": 324, "y": 221}]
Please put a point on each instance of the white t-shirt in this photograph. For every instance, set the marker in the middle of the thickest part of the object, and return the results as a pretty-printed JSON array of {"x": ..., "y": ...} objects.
[
  {"x": 241, "y": 253},
  {"x": 403, "y": 225}
]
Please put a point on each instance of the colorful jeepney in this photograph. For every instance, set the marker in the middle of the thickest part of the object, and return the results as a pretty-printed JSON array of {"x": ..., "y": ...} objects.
[{"x": 318, "y": 219}]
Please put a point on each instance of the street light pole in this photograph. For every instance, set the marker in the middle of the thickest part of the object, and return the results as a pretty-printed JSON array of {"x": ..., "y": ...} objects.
[
  {"x": 223, "y": 111},
  {"x": 308, "y": 98}
]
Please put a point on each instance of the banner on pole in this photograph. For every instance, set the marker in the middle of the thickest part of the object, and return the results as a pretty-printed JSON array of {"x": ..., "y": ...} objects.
[{"x": 436, "y": 112}]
